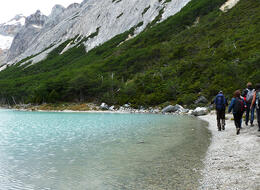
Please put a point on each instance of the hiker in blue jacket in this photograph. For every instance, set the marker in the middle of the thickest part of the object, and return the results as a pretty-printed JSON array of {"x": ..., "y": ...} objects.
[
  {"x": 221, "y": 103},
  {"x": 237, "y": 106}
]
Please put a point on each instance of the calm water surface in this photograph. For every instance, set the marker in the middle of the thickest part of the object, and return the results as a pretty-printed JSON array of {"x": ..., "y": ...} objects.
[{"x": 97, "y": 151}]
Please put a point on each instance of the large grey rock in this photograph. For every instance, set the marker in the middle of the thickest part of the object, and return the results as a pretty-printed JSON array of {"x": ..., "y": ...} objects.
[
  {"x": 171, "y": 108},
  {"x": 112, "y": 108},
  {"x": 109, "y": 17},
  {"x": 201, "y": 100},
  {"x": 200, "y": 111},
  {"x": 104, "y": 106}
]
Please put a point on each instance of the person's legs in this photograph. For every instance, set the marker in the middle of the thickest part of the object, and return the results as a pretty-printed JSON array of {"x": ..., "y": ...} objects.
[
  {"x": 252, "y": 115},
  {"x": 258, "y": 118},
  {"x": 237, "y": 119},
  {"x": 223, "y": 124},
  {"x": 218, "y": 120},
  {"x": 247, "y": 112},
  {"x": 223, "y": 119}
]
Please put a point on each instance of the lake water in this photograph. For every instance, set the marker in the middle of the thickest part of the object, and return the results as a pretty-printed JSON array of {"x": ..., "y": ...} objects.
[{"x": 100, "y": 151}]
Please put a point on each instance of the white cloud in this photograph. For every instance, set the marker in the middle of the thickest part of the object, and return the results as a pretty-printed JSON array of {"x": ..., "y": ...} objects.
[{"x": 9, "y": 8}]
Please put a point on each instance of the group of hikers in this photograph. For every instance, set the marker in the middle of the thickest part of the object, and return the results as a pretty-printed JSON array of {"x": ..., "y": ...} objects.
[{"x": 246, "y": 102}]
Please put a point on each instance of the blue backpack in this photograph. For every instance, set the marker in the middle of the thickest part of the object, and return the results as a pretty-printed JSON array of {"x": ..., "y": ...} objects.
[{"x": 220, "y": 102}]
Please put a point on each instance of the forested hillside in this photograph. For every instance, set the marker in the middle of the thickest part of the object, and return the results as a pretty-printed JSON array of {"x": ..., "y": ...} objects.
[{"x": 198, "y": 51}]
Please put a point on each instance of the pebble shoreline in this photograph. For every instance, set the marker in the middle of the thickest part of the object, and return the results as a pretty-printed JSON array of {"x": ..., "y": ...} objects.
[{"x": 232, "y": 161}]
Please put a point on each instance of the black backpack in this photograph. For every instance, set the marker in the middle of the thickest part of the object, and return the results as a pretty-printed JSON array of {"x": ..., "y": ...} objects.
[{"x": 239, "y": 106}]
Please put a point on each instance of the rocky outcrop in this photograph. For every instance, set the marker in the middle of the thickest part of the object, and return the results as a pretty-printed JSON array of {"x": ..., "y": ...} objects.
[
  {"x": 13, "y": 26},
  {"x": 177, "y": 109},
  {"x": 37, "y": 19},
  {"x": 201, "y": 100},
  {"x": 104, "y": 106},
  {"x": 84, "y": 19},
  {"x": 7, "y": 32},
  {"x": 25, "y": 37},
  {"x": 199, "y": 111}
]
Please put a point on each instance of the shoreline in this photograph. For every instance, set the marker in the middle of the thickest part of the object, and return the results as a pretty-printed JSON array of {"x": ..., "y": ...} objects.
[
  {"x": 232, "y": 161},
  {"x": 90, "y": 108}
]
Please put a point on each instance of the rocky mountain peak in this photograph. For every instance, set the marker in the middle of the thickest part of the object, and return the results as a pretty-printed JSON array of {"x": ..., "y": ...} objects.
[
  {"x": 56, "y": 10},
  {"x": 36, "y": 19},
  {"x": 73, "y": 6},
  {"x": 94, "y": 22},
  {"x": 18, "y": 17}
]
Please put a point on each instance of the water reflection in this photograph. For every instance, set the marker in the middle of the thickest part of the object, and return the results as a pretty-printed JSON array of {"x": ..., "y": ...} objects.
[{"x": 100, "y": 151}]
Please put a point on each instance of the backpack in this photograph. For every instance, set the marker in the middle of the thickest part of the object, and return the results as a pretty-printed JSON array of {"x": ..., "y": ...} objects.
[
  {"x": 239, "y": 106},
  {"x": 249, "y": 95},
  {"x": 257, "y": 99},
  {"x": 220, "y": 102}
]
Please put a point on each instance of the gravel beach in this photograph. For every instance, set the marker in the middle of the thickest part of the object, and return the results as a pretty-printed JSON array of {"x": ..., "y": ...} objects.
[{"x": 232, "y": 161}]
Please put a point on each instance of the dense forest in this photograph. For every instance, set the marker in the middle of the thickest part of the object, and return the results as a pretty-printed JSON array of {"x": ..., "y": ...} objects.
[{"x": 198, "y": 51}]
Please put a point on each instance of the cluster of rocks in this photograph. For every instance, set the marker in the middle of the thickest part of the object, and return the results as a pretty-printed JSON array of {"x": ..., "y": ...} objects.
[
  {"x": 170, "y": 109},
  {"x": 178, "y": 109},
  {"x": 128, "y": 109}
]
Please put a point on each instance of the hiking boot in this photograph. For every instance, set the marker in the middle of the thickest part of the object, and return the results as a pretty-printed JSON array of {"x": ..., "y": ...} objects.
[
  {"x": 223, "y": 127},
  {"x": 219, "y": 128},
  {"x": 238, "y": 131}
]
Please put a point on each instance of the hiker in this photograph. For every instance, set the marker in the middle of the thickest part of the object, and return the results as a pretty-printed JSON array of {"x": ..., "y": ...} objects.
[
  {"x": 221, "y": 103},
  {"x": 248, "y": 94},
  {"x": 237, "y": 105},
  {"x": 256, "y": 103}
]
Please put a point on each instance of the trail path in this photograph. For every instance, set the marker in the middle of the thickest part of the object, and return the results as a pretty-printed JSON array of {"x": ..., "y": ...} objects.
[{"x": 232, "y": 161}]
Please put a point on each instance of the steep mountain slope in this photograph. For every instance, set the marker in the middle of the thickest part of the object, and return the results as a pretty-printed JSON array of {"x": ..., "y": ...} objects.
[
  {"x": 198, "y": 51},
  {"x": 7, "y": 32},
  {"x": 25, "y": 36},
  {"x": 105, "y": 18}
]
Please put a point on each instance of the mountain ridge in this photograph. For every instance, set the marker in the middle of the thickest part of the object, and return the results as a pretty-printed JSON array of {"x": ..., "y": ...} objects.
[
  {"x": 84, "y": 19},
  {"x": 196, "y": 52}
]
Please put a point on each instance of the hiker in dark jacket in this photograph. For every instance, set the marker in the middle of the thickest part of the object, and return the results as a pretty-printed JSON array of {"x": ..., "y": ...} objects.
[
  {"x": 237, "y": 105},
  {"x": 221, "y": 103},
  {"x": 248, "y": 94},
  {"x": 256, "y": 101}
]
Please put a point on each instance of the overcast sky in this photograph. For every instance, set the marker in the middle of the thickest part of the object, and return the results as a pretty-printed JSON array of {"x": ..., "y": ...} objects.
[{"x": 10, "y": 8}]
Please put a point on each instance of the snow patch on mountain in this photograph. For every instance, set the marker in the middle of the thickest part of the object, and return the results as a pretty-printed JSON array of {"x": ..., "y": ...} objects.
[
  {"x": 228, "y": 5},
  {"x": 19, "y": 21},
  {"x": 36, "y": 26},
  {"x": 5, "y": 42}
]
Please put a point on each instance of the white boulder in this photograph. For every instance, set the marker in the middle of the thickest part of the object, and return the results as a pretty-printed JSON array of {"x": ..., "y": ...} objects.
[
  {"x": 104, "y": 106},
  {"x": 200, "y": 111}
]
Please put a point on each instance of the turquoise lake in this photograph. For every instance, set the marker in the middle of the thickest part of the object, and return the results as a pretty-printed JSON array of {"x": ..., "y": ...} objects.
[{"x": 100, "y": 151}]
